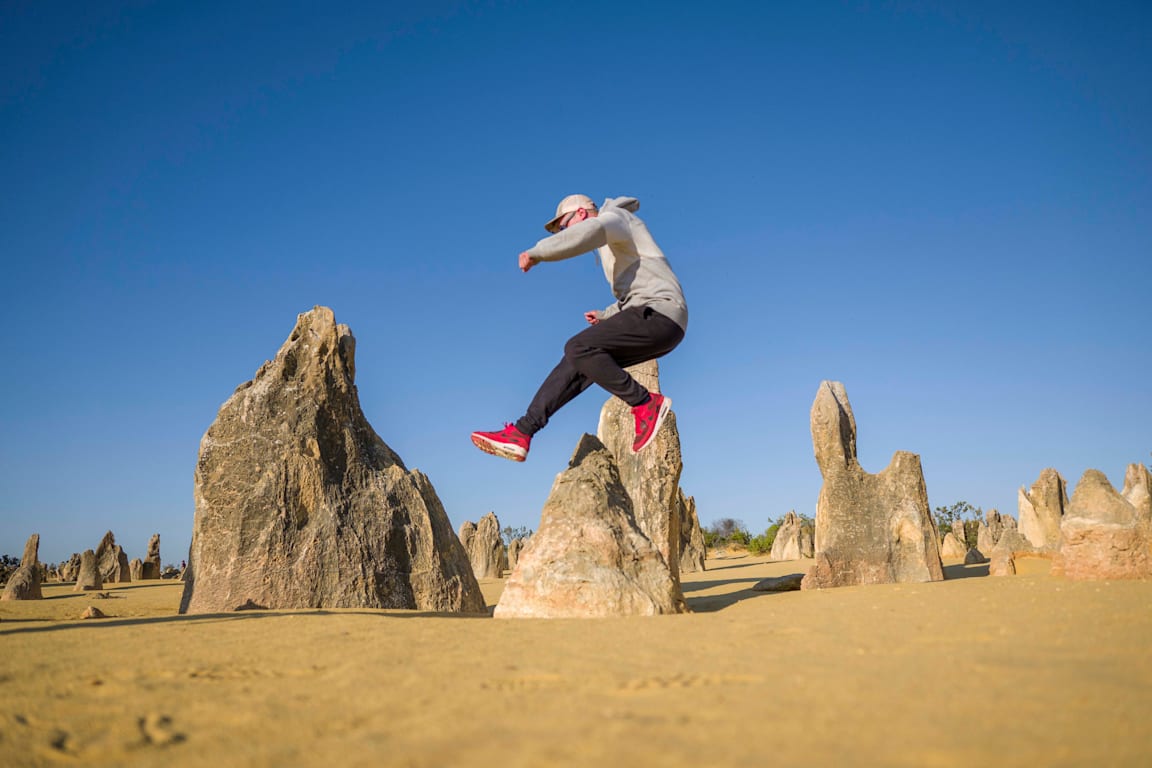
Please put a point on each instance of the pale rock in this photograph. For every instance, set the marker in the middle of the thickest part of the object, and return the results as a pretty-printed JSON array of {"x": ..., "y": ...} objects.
[
  {"x": 136, "y": 568},
  {"x": 1042, "y": 508},
  {"x": 88, "y": 576},
  {"x": 870, "y": 529},
  {"x": 514, "y": 548},
  {"x": 112, "y": 561},
  {"x": 486, "y": 549},
  {"x": 952, "y": 548},
  {"x": 589, "y": 558},
  {"x": 24, "y": 583},
  {"x": 793, "y": 539},
  {"x": 1105, "y": 534},
  {"x": 692, "y": 550},
  {"x": 300, "y": 504},
  {"x": 150, "y": 568},
  {"x": 651, "y": 477}
]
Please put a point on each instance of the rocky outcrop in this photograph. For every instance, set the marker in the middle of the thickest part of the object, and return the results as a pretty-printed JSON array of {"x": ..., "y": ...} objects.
[
  {"x": 24, "y": 583},
  {"x": 1009, "y": 547},
  {"x": 136, "y": 568},
  {"x": 1105, "y": 534},
  {"x": 651, "y": 477},
  {"x": 1042, "y": 508},
  {"x": 465, "y": 534},
  {"x": 870, "y": 529},
  {"x": 514, "y": 548},
  {"x": 88, "y": 576},
  {"x": 150, "y": 568},
  {"x": 589, "y": 558},
  {"x": 991, "y": 528},
  {"x": 70, "y": 568},
  {"x": 112, "y": 561},
  {"x": 952, "y": 548},
  {"x": 794, "y": 539},
  {"x": 692, "y": 550},
  {"x": 486, "y": 549},
  {"x": 300, "y": 504}
]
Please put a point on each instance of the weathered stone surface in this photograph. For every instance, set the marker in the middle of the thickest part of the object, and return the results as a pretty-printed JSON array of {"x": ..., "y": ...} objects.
[
  {"x": 136, "y": 568},
  {"x": 788, "y": 583},
  {"x": 1042, "y": 508},
  {"x": 70, "y": 568},
  {"x": 486, "y": 549},
  {"x": 465, "y": 534},
  {"x": 88, "y": 577},
  {"x": 150, "y": 569},
  {"x": 300, "y": 504},
  {"x": 692, "y": 550},
  {"x": 514, "y": 548},
  {"x": 870, "y": 529},
  {"x": 952, "y": 548},
  {"x": 93, "y": 613},
  {"x": 589, "y": 558},
  {"x": 1010, "y": 546},
  {"x": 112, "y": 561},
  {"x": 24, "y": 583},
  {"x": 991, "y": 528},
  {"x": 1105, "y": 534},
  {"x": 793, "y": 539},
  {"x": 974, "y": 557},
  {"x": 651, "y": 477}
]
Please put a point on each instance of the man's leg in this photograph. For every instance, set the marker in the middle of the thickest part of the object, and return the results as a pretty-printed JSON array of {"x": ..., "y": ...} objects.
[{"x": 599, "y": 354}]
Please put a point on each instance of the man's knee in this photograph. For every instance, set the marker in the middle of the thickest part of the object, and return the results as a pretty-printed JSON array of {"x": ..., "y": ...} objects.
[{"x": 575, "y": 349}]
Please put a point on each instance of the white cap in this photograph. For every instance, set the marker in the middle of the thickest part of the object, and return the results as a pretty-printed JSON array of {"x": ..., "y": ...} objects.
[{"x": 566, "y": 206}]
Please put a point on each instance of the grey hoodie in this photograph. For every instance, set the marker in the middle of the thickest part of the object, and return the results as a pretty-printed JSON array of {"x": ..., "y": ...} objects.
[{"x": 635, "y": 266}]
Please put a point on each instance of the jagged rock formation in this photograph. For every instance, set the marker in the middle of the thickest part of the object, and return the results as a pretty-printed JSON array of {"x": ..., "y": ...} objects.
[
  {"x": 486, "y": 549},
  {"x": 70, "y": 568},
  {"x": 651, "y": 477},
  {"x": 1042, "y": 509},
  {"x": 1105, "y": 534},
  {"x": 112, "y": 561},
  {"x": 88, "y": 576},
  {"x": 514, "y": 548},
  {"x": 589, "y": 558},
  {"x": 24, "y": 583},
  {"x": 991, "y": 528},
  {"x": 299, "y": 504},
  {"x": 794, "y": 539},
  {"x": 692, "y": 549},
  {"x": 150, "y": 568},
  {"x": 136, "y": 568},
  {"x": 870, "y": 529}
]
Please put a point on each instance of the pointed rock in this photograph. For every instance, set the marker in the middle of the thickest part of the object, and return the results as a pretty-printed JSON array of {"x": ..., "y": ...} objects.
[
  {"x": 651, "y": 477},
  {"x": 991, "y": 528},
  {"x": 136, "y": 568},
  {"x": 150, "y": 568},
  {"x": 1105, "y": 534},
  {"x": 794, "y": 539},
  {"x": 588, "y": 558},
  {"x": 514, "y": 551},
  {"x": 692, "y": 550},
  {"x": 952, "y": 548},
  {"x": 870, "y": 529},
  {"x": 88, "y": 577},
  {"x": 486, "y": 549},
  {"x": 1042, "y": 508},
  {"x": 24, "y": 583},
  {"x": 112, "y": 561},
  {"x": 300, "y": 504}
]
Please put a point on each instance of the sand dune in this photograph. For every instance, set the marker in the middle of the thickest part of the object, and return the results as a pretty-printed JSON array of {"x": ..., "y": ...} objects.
[{"x": 1025, "y": 670}]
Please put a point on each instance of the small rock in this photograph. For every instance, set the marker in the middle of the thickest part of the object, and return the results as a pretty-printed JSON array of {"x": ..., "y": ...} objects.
[
  {"x": 94, "y": 613},
  {"x": 787, "y": 583}
]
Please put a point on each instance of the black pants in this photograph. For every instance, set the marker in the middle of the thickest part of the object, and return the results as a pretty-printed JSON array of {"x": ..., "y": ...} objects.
[{"x": 598, "y": 355}]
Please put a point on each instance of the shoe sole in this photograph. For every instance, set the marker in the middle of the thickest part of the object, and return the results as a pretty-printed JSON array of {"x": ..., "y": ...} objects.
[
  {"x": 503, "y": 450},
  {"x": 664, "y": 408}
]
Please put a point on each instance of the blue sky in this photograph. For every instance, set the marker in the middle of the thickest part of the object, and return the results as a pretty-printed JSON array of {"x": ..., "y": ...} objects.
[{"x": 946, "y": 206}]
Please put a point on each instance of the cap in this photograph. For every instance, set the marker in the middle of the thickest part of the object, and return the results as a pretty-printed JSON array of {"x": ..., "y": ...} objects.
[{"x": 566, "y": 206}]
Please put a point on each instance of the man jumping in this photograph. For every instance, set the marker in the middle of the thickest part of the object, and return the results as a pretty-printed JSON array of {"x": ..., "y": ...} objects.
[{"x": 647, "y": 320}]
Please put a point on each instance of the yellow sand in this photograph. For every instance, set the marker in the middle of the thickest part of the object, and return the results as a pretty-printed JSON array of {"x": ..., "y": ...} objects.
[{"x": 1026, "y": 670}]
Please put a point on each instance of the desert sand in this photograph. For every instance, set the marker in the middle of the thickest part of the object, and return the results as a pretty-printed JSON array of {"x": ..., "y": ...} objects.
[{"x": 1024, "y": 670}]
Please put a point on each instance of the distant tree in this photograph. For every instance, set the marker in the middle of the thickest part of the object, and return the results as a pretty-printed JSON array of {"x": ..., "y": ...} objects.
[
  {"x": 969, "y": 515},
  {"x": 509, "y": 533}
]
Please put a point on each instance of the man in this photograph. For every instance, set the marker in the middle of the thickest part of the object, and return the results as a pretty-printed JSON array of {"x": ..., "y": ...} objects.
[{"x": 647, "y": 320}]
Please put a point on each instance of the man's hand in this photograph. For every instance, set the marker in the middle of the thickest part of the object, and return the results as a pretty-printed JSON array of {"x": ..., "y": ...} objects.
[
  {"x": 592, "y": 316},
  {"x": 527, "y": 262}
]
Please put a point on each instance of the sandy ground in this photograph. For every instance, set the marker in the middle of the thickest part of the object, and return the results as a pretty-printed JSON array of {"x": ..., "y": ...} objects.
[{"x": 1025, "y": 670}]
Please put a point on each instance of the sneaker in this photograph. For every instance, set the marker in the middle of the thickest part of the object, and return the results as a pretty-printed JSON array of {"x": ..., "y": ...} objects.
[
  {"x": 508, "y": 443},
  {"x": 649, "y": 417}
]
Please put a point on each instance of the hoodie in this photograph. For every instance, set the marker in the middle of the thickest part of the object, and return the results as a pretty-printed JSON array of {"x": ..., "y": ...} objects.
[{"x": 634, "y": 265}]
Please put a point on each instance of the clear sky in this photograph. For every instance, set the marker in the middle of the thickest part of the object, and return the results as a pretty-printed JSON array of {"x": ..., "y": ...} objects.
[{"x": 946, "y": 206}]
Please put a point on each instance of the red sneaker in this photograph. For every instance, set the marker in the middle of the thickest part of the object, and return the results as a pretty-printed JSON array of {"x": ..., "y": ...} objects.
[
  {"x": 508, "y": 443},
  {"x": 649, "y": 417}
]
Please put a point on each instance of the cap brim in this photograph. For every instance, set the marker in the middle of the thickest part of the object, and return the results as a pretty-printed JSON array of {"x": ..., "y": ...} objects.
[{"x": 553, "y": 226}]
